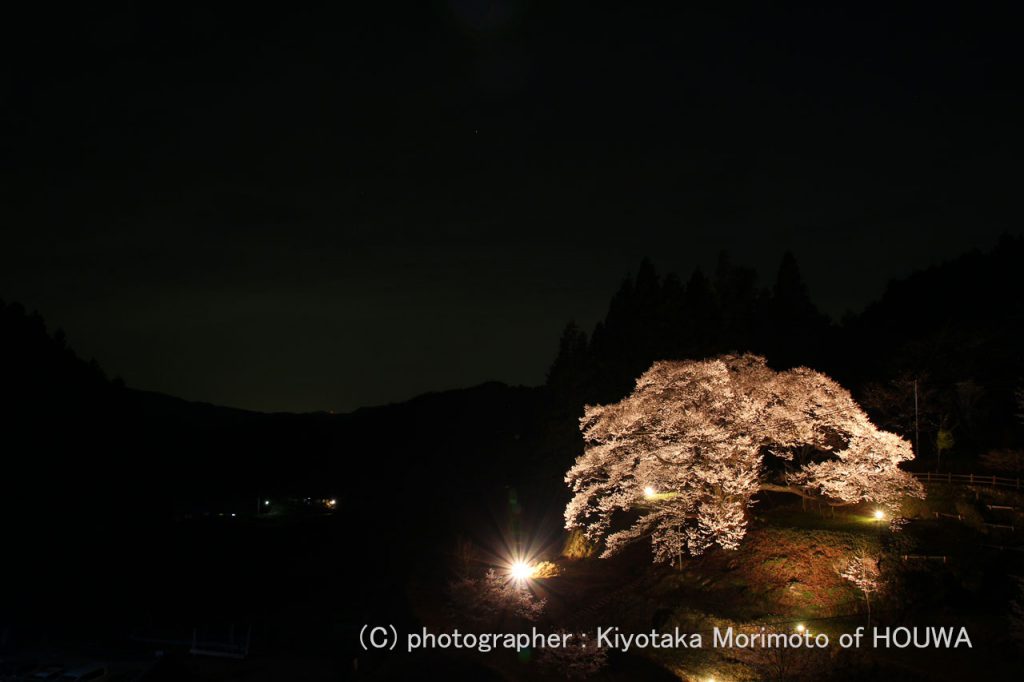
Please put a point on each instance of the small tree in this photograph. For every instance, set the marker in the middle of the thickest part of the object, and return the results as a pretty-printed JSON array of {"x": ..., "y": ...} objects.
[
  {"x": 492, "y": 599},
  {"x": 577, "y": 659},
  {"x": 906, "y": 404},
  {"x": 688, "y": 450},
  {"x": 782, "y": 663},
  {"x": 944, "y": 442},
  {"x": 863, "y": 572}
]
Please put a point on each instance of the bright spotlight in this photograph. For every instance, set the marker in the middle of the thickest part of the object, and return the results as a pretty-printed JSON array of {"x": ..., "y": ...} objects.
[
  {"x": 649, "y": 492},
  {"x": 521, "y": 571},
  {"x": 879, "y": 514}
]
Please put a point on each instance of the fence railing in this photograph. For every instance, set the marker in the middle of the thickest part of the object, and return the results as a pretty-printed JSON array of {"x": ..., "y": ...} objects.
[
  {"x": 926, "y": 557},
  {"x": 969, "y": 479}
]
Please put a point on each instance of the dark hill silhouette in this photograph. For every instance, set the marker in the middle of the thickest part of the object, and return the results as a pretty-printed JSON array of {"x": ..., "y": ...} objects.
[
  {"x": 96, "y": 466},
  {"x": 956, "y": 327},
  {"x": 963, "y": 317}
]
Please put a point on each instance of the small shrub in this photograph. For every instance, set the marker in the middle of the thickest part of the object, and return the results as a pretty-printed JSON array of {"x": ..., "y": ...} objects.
[
  {"x": 1004, "y": 461},
  {"x": 546, "y": 569},
  {"x": 970, "y": 514},
  {"x": 577, "y": 546}
]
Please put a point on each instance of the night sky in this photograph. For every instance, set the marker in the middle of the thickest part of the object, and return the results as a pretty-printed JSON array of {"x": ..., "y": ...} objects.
[{"x": 328, "y": 208}]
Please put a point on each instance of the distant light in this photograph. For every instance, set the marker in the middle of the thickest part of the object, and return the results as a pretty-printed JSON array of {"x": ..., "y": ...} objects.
[
  {"x": 232, "y": 515},
  {"x": 800, "y": 627},
  {"x": 879, "y": 514},
  {"x": 266, "y": 503},
  {"x": 331, "y": 503},
  {"x": 521, "y": 571},
  {"x": 649, "y": 492}
]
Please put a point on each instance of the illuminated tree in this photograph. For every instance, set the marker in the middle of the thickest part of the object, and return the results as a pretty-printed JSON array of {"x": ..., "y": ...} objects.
[
  {"x": 493, "y": 598},
  {"x": 863, "y": 572},
  {"x": 685, "y": 454}
]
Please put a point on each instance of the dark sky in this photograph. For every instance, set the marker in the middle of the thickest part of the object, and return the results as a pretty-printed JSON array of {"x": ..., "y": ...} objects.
[{"x": 327, "y": 208}]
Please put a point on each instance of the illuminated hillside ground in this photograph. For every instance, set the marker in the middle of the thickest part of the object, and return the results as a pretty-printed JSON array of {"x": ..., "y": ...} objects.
[
  {"x": 778, "y": 571},
  {"x": 786, "y": 573}
]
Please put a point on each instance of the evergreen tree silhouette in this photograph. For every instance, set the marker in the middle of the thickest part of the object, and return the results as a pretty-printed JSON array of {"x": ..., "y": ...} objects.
[
  {"x": 702, "y": 316},
  {"x": 742, "y": 306},
  {"x": 797, "y": 329},
  {"x": 567, "y": 375}
]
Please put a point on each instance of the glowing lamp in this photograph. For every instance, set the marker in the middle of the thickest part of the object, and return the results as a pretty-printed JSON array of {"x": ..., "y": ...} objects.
[
  {"x": 521, "y": 571},
  {"x": 648, "y": 492},
  {"x": 800, "y": 627},
  {"x": 879, "y": 514}
]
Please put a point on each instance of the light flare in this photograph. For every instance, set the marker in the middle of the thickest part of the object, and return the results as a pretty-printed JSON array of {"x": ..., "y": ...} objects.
[{"x": 521, "y": 571}]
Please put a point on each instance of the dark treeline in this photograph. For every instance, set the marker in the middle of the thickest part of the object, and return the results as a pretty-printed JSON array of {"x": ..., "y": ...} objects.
[
  {"x": 952, "y": 333},
  {"x": 653, "y": 317},
  {"x": 39, "y": 364},
  {"x": 55, "y": 409}
]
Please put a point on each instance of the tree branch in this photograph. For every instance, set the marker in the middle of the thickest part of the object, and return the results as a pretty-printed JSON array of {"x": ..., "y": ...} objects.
[{"x": 793, "y": 490}]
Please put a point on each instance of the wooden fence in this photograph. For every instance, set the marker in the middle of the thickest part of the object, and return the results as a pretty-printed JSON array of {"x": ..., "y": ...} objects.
[{"x": 969, "y": 479}]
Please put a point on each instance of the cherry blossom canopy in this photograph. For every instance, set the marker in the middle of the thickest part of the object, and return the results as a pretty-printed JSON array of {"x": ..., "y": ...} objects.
[{"x": 685, "y": 454}]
